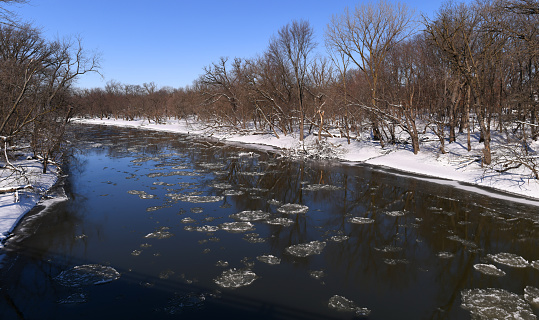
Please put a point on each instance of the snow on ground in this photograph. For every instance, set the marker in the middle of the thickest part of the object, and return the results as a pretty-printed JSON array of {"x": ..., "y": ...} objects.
[
  {"x": 14, "y": 205},
  {"x": 457, "y": 165}
]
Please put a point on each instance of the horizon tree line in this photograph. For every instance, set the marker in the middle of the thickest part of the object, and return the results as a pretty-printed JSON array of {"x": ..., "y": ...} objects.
[{"x": 386, "y": 70}]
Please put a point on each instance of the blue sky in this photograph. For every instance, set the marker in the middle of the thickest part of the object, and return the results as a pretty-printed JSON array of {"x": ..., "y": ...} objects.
[{"x": 170, "y": 41}]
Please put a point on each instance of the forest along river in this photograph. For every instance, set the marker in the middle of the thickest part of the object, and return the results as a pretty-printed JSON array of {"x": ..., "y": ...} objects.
[{"x": 161, "y": 226}]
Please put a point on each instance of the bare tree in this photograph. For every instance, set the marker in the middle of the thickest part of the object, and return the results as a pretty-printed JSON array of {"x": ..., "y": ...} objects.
[
  {"x": 295, "y": 42},
  {"x": 365, "y": 35}
]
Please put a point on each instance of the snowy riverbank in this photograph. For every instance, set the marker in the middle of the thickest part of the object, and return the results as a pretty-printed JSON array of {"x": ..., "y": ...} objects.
[
  {"x": 31, "y": 188},
  {"x": 457, "y": 167}
]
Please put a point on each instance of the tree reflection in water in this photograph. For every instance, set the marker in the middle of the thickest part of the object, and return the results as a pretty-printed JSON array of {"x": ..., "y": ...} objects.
[{"x": 412, "y": 262}]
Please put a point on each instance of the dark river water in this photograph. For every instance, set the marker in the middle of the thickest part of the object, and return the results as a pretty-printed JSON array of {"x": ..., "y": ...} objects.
[{"x": 165, "y": 226}]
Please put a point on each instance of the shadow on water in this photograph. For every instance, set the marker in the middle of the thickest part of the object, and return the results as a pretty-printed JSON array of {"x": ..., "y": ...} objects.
[{"x": 153, "y": 206}]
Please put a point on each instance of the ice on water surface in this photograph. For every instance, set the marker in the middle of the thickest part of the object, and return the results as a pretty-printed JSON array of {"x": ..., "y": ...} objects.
[
  {"x": 234, "y": 278},
  {"x": 361, "y": 220},
  {"x": 293, "y": 208},
  {"x": 233, "y": 192},
  {"x": 236, "y": 227},
  {"x": 489, "y": 269},
  {"x": 445, "y": 255},
  {"x": 161, "y": 233},
  {"x": 495, "y": 303},
  {"x": 531, "y": 294},
  {"x": 285, "y": 222},
  {"x": 78, "y": 297},
  {"x": 341, "y": 303},
  {"x": 207, "y": 228},
  {"x": 269, "y": 259},
  {"x": 319, "y": 187},
  {"x": 339, "y": 238},
  {"x": 194, "y": 198},
  {"x": 141, "y": 194},
  {"x": 88, "y": 274},
  {"x": 509, "y": 259},
  {"x": 255, "y": 215},
  {"x": 180, "y": 303},
  {"x": 396, "y": 213},
  {"x": 306, "y": 249}
]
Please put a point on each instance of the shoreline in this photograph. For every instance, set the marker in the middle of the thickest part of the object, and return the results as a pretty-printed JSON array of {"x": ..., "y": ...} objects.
[
  {"x": 427, "y": 165},
  {"x": 458, "y": 167}
]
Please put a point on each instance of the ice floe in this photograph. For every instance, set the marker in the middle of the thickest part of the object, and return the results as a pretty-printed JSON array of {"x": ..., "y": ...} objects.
[
  {"x": 531, "y": 294},
  {"x": 489, "y": 269},
  {"x": 285, "y": 222},
  {"x": 88, "y": 274},
  {"x": 306, "y": 249},
  {"x": 293, "y": 208},
  {"x": 341, "y": 303},
  {"x": 141, "y": 194},
  {"x": 396, "y": 213},
  {"x": 234, "y": 278},
  {"x": 509, "y": 259},
  {"x": 495, "y": 303},
  {"x": 255, "y": 215},
  {"x": 319, "y": 187},
  {"x": 237, "y": 227},
  {"x": 194, "y": 198},
  {"x": 269, "y": 259},
  {"x": 161, "y": 233},
  {"x": 360, "y": 220}
]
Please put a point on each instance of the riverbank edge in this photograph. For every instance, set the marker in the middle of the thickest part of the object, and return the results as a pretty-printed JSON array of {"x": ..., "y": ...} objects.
[{"x": 458, "y": 167}]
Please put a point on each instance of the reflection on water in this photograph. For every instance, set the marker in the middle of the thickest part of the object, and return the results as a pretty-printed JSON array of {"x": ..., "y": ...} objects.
[{"x": 195, "y": 229}]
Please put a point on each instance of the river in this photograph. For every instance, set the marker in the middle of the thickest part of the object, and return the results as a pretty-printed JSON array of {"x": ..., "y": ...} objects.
[{"x": 165, "y": 226}]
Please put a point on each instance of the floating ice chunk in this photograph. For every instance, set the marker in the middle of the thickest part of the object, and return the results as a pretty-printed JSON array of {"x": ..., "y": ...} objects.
[
  {"x": 340, "y": 303},
  {"x": 293, "y": 208},
  {"x": 445, "y": 255},
  {"x": 221, "y": 263},
  {"x": 274, "y": 202},
  {"x": 254, "y": 174},
  {"x": 212, "y": 166},
  {"x": 394, "y": 262},
  {"x": 194, "y": 198},
  {"x": 535, "y": 264},
  {"x": 161, "y": 183},
  {"x": 180, "y": 303},
  {"x": 495, "y": 304},
  {"x": 207, "y": 228},
  {"x": 253, "y": 238},
  {"x": 389, "y": 248},
  {"x": 79, "y": 297},
  {"x": 250, "y": 215},
  {"x": 360, "y": 220},
  {"x": 531, "y": 294},
  {"x": 339, "y": 238},
  {"x": 319, "y": 187},
  {"x": 141, "y": 194},
  {"x": 88, "y": 274},
  {"x": 233, "y": 278},
  {"x": 161, "y": 233},
  {"x": 269, "y": 259},
  {"x": 222, "y": 185},
  {"x": 306, "y": 249},
  {"x": 509, "y": 259},
  {"x": 465, "y": 242},
  {"x": 317, "y": 274},
  {"x": 188, "y": 220},
  {"x": 197, "y": 210},
  {"x": 233, "y": 192},
  {"x": 286, "y": 222},
  {"x": 136, "y": 253},
  {"x": 166, "y": 274},
  {"x": 489, "y": 269},
  {"x": 237, "y": 227},
  {"x": 395, "y": 213}
]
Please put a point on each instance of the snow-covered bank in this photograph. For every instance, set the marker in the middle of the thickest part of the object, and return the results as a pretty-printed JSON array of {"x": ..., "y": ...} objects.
[
  {"x": 15, "y": 204},
  {"x": 457, "y": 165}
]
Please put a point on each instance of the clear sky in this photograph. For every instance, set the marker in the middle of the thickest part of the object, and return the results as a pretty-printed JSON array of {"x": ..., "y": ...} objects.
[{"x": 170, "y": 41}]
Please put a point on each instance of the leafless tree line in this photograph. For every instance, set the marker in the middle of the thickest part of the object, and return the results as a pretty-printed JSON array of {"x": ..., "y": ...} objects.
[
  {"x": 36, "y": 76},
  {"x": 387, "y": 70}
]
